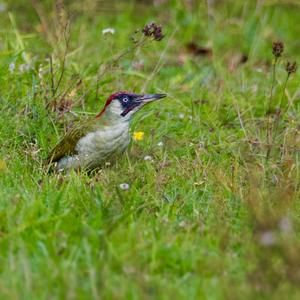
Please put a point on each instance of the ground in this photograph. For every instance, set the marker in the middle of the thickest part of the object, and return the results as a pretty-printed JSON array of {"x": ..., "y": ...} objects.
[{"x": 204, "y": 204}]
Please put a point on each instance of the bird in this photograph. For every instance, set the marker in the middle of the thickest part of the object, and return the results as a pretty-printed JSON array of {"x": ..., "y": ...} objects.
[{"x": 91, "y": 143}]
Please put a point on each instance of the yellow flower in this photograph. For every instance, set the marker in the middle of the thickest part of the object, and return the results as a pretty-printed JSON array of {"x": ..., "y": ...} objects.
[{"x": 138, "y": 135}]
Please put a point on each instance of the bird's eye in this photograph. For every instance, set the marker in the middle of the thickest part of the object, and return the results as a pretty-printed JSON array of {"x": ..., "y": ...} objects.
[{"x": 125, "y": 99}]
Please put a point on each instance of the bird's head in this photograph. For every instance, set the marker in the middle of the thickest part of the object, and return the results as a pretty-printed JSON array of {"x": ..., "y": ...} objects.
[{"x": 125, "y": 104}]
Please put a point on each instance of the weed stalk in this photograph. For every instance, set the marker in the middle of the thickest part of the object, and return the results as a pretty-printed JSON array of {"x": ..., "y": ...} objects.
[{"x": 277, "y": 50}]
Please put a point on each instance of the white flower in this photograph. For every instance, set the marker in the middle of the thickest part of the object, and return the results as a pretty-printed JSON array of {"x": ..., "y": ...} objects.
[
  {"x": 124, "y": 186},
  {"x": 148, "y": 157},
  {"x": 181, "y": 116},
  {"x": 108, "y": 31},
  {"x": 11, "y": 67},
  {"x": 160, "y": 144}
]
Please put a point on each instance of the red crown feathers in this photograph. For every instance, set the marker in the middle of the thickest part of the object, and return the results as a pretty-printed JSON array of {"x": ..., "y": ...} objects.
[{"x": 109, "y": 100}]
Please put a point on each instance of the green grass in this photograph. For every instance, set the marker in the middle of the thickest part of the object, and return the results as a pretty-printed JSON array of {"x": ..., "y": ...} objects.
[{"x": 209, "y": 217}]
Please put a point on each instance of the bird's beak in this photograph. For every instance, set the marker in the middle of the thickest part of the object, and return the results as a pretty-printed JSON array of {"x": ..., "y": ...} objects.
[{"x": 143, "y": 99}]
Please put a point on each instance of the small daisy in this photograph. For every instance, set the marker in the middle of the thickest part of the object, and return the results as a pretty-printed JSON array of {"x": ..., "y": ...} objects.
[
  {"x": 148, "y": 158},
  {"x": 108, "y": 31},
  {"x": 124, "y": 186}
]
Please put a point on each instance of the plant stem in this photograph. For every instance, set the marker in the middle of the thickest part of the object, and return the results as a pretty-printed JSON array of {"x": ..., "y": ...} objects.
[
  {"x": 269, "y": 129},
  {"x": 52, "y": 75},
  {"x": 278, "y": 115}
]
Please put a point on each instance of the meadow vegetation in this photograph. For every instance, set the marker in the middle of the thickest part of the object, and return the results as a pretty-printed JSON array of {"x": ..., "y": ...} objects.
[{"x": 205, "y": 203}]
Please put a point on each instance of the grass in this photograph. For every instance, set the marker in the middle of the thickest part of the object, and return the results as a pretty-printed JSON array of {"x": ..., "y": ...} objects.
[{"x": 209, "y": 217}]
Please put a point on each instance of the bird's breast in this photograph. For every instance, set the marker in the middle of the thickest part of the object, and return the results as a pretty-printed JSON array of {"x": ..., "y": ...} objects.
[{"x": 105, "y": 141}]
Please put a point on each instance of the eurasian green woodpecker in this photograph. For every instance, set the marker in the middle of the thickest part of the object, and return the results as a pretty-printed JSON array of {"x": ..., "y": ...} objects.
[{"x": 91, "y": 143}]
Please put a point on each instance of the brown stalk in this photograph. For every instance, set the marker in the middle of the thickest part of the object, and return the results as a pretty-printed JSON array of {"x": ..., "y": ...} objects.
[
  {"x": 279, "y": 112},
  {"x": 269, "y": 128},
  {"x": 277, "y": 50},
  {"x": 52, "y": 75}
]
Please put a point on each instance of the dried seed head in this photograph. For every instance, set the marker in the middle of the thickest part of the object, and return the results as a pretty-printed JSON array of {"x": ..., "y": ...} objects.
[
  {"x": 148, "y": 29},
  {"x": 277, "y": 48},
  {"x": 291, "y": 67},
  {"x": 158, "y": 36},
  {"x": 153, "y": 30}
]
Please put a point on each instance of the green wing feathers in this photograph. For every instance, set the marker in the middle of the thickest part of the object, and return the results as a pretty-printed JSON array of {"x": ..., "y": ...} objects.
[{"x": 67, "y": 145}]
